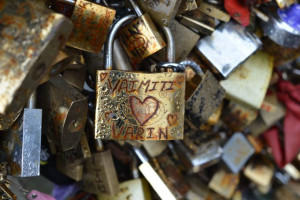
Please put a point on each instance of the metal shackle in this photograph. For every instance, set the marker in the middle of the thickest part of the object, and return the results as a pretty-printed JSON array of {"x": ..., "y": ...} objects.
[
  {"x": 192, "y": 64},
  {"x": 108, "y": 48}
]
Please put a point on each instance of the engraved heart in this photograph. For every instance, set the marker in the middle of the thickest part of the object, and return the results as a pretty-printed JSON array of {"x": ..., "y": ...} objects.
[
  {"x": 172, "y": 119},
  {"x": 103, "y": 76},
  {"x": 180, "y": 79},
  {"x": 143, "y": 111}
]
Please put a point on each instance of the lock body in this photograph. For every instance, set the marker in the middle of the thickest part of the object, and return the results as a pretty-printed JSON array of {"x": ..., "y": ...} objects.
[
  {"x": 100, "y": 174},
  {"x": 162, "y": 12},
  {"x": 187, "y": 5},
  {"x": 140, "y": 39},
  {"x": 205, "y": 98},
  {"x": 21, "y": 144},
  {"x": 65, "y": 111},
  {"x": 139, "y": 106},
  {"x": 31, "y": 37},
  {"x": 249, "y": 83},
  {"x": 227, "y": 48},
  {"x": 213, "y": 11},
  {"x": 91, "y": 24}
]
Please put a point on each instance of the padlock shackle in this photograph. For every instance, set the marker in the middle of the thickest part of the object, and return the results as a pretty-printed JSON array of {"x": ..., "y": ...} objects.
[
  {"x": 136, "y": 8},
  {"x": 170, "y": 44},
  {"x": 110, "y": 40},
  {"x": 192, "y": 64},
  {"x": 32, "y": 100},
  {"x": 71, "y": 2}
]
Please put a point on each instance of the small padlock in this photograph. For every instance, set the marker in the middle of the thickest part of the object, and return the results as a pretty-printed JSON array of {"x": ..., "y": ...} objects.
[
  {"x": 99, "y": 173},
  {"x": 283, "y": 26},
  {"x": 187, "y": 6},
  {"x": 182, "y": 46},
  {"x": 209, "y": 154},
  {"x": 139, "y": 106},
  {"x": 196, "y": 25},
  {"x": 236, "y": 152},
  {"x": 21, "y": 144},
  {"x": 30, "y": 38},
  {"x": 5, "y": 192},
  {"x": 237, "y": 116},
  {"x": 70, "y": 162},
  {"x": 260, "y": 171},
  {"x": 134, "y": 189},
  {"x": 154, "y": 174},
  {"x": 249, "y": 83},
  {"x": 203, "y": 94},
  {"x": 213, "y": 11},
  {"x": 224, "y": 183},
  {"x": 228, "y": 46},
  {"x": 91, "y": 24},
  {"x": 162, "y": 12},
  {"x": 140, "y": 38},
  {"x": 65, "y": 111}
]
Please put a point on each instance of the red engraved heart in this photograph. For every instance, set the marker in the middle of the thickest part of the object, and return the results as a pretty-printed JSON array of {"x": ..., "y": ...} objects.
[
  {"x": 143, "y": 111},
  {"x": 172, "y": 119},
  {"x": 103, "y": 76}
]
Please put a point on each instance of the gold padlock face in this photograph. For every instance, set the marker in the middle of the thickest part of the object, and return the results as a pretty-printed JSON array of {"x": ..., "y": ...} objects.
[
  {"x": 91, "y": 25},
  {"x": 139, "y": 106},
  {"x": 141, "y": 39}
]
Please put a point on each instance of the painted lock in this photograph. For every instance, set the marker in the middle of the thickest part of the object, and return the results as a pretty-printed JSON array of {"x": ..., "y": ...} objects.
[{"x": 139, "y": 106}]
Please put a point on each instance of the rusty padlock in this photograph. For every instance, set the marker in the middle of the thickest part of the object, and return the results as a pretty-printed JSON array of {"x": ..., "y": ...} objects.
[
  {"x": 138, "y": 106},
  {"x": 65, "y": 111},
  {"x": 30, "y": 38},
  {"x": 91, "y": 23},
  {"x": 140, "y": 38}
]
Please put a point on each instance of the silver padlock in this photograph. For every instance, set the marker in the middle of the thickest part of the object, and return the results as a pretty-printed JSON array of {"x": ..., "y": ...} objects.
[
  {"x": 21, "y": 144},
  {"x": 228, "y": 46}
]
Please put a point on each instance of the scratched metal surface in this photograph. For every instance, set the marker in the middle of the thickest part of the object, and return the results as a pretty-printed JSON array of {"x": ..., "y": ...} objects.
[
  {"x": 139, "y": 106},
  {"x": 30, "y": 37},
  {"x": 227, "y": 47}
]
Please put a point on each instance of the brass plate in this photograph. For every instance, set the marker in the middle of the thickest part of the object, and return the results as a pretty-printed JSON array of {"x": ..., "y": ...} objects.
[{"x": 139, "y": 106}]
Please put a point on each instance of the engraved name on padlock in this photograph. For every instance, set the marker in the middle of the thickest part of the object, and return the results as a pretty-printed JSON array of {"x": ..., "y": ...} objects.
[{"x": 138, "y": 106}]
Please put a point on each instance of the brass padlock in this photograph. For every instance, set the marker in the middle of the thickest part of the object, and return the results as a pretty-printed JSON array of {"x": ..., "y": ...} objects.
[
  {"x": 203, "y": 94},
  {"x": 249, "y": 83},
  {"x": 237, "y": 116},
  {"x": 138, "y": 106},
  {"x": 65, "y": 111},
  {"x": 228, "y": 46},
  {"x": 91, "y": 24},
  {"x": 140, "y": 38},
  {"x": 224, "y": 183},
  {"x": 21, "y": 144},
  {"x": 161, "y": 11},
  {"x": 5, "y": 192},
  {"x": 99, "y": 173},
  {"x": 30, "y": 38},
  {"x": 187, "y": 5},
  {"x": 70, "y": 162}
]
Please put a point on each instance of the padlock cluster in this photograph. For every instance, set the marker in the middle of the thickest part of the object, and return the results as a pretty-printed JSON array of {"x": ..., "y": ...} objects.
[{"x": 157, "y": 99}]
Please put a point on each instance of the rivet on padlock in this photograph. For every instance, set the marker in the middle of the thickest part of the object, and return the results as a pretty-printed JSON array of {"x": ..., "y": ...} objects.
[
  {"x": 121, "y": 96},
  {"x": 140, "y": 38},
  {"x": 203, "y": 96},
  {"x": 29, "y": 44},
  {"x": 65, "y": 111},
  {"x": 21, "y": 144},
  {"x": 91, "y": 24}
]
